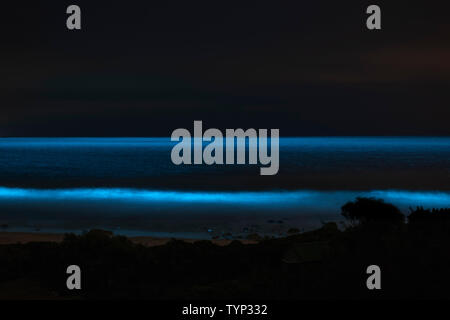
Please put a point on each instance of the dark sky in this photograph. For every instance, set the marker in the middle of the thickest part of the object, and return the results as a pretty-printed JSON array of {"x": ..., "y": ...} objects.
[{"x": 307, "y": 68}]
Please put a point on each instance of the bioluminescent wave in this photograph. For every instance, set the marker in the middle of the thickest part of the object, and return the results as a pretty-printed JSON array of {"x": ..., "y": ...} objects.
[
  {"x": 152, "y": 196},
  {"x": 261, "y": 199},
  {"x": 331, "y": 163},
  {"x": 409, "y": 198}
]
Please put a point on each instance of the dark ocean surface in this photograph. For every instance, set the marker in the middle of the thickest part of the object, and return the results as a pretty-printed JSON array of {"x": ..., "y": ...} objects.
[{"x": 130, "y": 185}]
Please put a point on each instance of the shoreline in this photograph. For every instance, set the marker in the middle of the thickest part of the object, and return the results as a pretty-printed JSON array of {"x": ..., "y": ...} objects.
[
  {"x": 7, "y": 238},
  {"x": 325, "y": 263}
]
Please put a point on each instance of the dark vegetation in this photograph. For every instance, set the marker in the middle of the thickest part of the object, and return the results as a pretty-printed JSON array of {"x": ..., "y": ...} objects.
[{"x": 413, "y": 255}]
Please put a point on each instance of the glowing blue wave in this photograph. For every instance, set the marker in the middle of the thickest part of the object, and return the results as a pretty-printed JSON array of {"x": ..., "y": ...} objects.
[
  {"x": 153, "y": 195},
  {"x": 262, "y": 198}
]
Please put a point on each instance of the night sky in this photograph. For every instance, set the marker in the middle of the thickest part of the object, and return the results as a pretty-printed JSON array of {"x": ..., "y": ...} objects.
[{"x": 308, "y": 68}]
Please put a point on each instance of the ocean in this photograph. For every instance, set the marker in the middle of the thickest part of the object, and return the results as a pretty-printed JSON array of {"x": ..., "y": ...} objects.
[{"x": 130, "y": 185}]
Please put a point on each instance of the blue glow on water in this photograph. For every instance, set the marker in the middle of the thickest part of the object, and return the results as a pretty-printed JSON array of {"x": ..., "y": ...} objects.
[
  {"x": 136, "y": 195},
  {"x": 404, "y": 198},
  {"x": 324, "y": 170},
  {"x": 260, "y": 199},
  {"x": 55, "y": 162}
]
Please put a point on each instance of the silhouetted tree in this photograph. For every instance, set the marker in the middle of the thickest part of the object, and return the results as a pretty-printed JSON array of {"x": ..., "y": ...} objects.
[{"x": 370, "y": 210}]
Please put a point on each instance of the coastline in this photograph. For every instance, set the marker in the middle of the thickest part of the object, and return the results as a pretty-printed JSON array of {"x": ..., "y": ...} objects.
[{"x": 7, "y": 238}]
